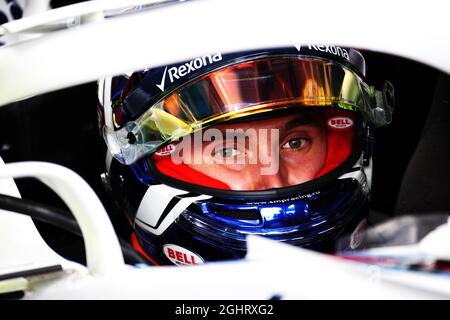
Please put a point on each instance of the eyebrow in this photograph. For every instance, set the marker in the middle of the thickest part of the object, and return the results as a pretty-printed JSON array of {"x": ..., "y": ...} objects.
[
  {"x": 302, "y": 120},
  {"x": 236, "y": 132}
]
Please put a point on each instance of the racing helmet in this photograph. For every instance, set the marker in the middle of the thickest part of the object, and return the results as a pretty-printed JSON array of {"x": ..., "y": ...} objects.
[{"x": 272, "y": 142}]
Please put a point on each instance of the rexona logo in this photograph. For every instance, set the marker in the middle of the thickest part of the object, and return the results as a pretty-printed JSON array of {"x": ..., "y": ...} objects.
[
  {"x": 180, "y": 71},
  {"x": 340, "y": 122},
  {"x": 181, "y": 256},
  {"x": 337, "y": 51}
]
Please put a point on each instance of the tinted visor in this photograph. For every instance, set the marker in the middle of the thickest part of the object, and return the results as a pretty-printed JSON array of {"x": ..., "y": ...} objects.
[{"x": 241, "y": 90}]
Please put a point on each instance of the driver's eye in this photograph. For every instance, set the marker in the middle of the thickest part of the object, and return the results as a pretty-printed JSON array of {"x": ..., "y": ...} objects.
[{"x": 296, "y": 143}]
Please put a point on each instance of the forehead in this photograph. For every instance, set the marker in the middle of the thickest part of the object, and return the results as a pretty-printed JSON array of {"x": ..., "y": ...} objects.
[{"x": 286, "y": 121}]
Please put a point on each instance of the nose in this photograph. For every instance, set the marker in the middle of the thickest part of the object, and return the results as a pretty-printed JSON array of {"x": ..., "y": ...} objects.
[
  {"x": 266, "y": 173},
  {"x": 269, "y": 181}
]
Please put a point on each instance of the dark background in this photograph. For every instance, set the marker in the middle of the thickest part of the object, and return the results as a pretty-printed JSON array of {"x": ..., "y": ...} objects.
[{"x": 410, "y": 155}]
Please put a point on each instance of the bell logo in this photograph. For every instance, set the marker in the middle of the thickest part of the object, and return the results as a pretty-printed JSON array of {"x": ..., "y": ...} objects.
[
  {"x": 340, "y": 123},
  {"x": 181, "y": 256},
  {"x": 165, "y": 151}
]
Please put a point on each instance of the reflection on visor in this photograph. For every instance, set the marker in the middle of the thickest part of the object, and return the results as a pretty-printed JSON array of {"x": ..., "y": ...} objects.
[{"x": 245, "y": 89}]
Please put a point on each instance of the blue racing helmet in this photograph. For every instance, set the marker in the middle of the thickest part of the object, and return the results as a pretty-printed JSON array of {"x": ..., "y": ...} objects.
[{"x": 272, "y": 142}]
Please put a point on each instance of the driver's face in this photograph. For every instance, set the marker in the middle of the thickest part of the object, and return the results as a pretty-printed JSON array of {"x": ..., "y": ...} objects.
[{"x": 300, "y": 149}]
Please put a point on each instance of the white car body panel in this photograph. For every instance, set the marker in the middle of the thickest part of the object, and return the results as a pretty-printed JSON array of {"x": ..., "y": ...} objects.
[{"x": 88, "y": 51}]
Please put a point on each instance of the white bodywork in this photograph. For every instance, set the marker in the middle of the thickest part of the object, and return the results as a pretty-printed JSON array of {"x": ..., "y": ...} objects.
[{"x": 84, "y": 52}]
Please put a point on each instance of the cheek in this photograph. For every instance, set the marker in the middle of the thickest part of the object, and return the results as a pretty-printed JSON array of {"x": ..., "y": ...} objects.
[
  {"x": 302, "y": 167},
  {"x": 302, "y": 171},
  {"x": 318, "y": 153}
]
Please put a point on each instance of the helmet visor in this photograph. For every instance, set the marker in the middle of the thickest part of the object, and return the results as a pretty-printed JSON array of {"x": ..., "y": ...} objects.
[
  {"x": 241, "y": 90},
  {"x": 260, "y": 153}
]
